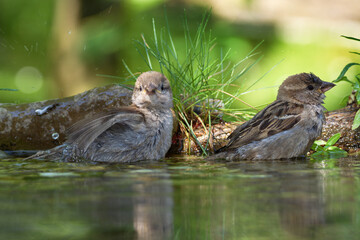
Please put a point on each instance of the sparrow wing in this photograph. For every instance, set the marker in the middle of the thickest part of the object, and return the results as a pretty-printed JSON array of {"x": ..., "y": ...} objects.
[
  {"x": 275, "y": 118},
  {"x": 84, "y": 132}
]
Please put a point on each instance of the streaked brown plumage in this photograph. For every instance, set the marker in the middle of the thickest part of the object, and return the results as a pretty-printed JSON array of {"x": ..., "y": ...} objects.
[
  {"x": 287, "y": 127},
  {"x": 141, "y": 131}
]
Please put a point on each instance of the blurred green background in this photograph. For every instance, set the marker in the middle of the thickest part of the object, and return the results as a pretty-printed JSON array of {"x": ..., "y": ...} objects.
[{"x": 51, "y": 49}]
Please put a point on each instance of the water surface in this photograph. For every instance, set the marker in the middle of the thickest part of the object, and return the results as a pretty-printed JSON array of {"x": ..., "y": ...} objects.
[{"x": 181, "y": 198}]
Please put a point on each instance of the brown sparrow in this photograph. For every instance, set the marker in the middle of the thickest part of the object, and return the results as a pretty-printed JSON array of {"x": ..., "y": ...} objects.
[
  {"x": 141, "y": 131},
  {"x": 284, "y": 129}
]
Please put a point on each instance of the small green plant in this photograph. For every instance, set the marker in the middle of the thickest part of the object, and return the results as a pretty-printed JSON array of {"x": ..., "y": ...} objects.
[
  {"x": 326, "y": 149},
  {"x": 202, "y": 82},
  {"x": 355, "y": 83}
]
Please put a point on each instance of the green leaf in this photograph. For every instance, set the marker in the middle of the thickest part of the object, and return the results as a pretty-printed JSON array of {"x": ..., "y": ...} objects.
[
  {"x": 320, "y": 142},
  {"x": 318, "y": 154},
  {"x": 345, "y": 79},
  {"x": 351, "y": 38},
  {"x": 333, "y": 139},
  {"x": 343, "y": 72},
  {"x": 356, "y": 86},
  {"x": 357, "y": 53},
  {"x": 358, "y": 97},
  {"x": 356, "y": 122},
  {"x": 338, "y": 151},
  {"x": 357, "y": 76},
  {"x": 334, "y": 148},
  {"x": 317, "y": 148}
]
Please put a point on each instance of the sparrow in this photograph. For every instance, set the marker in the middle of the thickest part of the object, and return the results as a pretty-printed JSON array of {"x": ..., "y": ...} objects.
[
  {"x": 286, "y": 128},
  {"x": 141, "y": 131}
]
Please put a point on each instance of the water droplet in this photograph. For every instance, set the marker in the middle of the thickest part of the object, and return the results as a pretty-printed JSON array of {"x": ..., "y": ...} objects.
[
  {"x": 69, "y": 32},
  {"x": 55, "y": 135}
]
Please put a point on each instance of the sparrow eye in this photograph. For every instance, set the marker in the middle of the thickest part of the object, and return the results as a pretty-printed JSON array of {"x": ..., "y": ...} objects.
[
  {"x": 162, "y": 87},
  {"x": 140, "y": 88},
  {"x": 310, "y": 87}
]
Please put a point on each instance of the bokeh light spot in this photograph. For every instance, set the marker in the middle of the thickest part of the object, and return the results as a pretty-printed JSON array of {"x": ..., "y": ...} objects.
[{"x": 29, "y": 79}]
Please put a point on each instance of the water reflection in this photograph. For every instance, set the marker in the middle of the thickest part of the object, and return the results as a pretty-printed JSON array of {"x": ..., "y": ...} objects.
[
  {"x": 302, "y": 203},
  {"x": 141, "y": 209},
  {"x": 297, "y": 199},
  {"x": 153, "y": 204}
]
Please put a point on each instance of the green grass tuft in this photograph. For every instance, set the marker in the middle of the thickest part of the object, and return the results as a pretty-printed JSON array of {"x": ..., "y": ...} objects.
[{"x": 203, "y": 84}]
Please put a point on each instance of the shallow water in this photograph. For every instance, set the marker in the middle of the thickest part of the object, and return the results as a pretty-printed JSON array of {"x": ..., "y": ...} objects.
[{"x": 181, "y": 198}]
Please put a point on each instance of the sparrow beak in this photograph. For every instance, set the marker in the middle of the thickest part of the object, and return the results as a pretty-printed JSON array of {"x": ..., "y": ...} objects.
[
  {"x": 326, "y": 86},
  {"x": 150, "y": 90}
]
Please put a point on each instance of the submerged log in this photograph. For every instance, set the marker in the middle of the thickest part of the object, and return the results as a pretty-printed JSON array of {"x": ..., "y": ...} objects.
[{"x": 42, "y": 125}]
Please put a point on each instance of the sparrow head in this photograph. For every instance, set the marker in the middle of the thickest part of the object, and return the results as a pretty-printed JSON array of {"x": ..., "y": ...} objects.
[
  {"x": 304, "y": 88},
  {"x": 152, "y": 90}
]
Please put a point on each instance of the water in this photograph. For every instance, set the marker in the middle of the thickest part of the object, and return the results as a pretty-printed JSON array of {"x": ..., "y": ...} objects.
[{"x": 181, "y": 198}]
